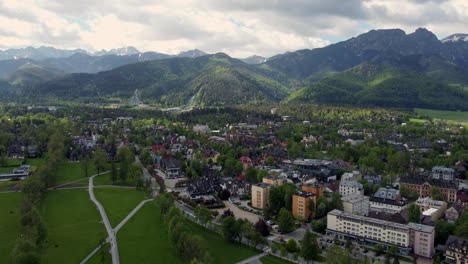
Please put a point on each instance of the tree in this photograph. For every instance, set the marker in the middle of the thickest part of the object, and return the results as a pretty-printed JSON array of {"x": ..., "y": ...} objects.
[
  {"x": 165, "y": 202},
  {"x": 113, "y": 173},
  {"x": 461, "y": 225},
  {"x": 84, "y": 162},
  {"x": 336, "y": 202},
  {"x": 291, "y": 245},
  {"x": 338, "y": 255},
  {"x": 318, "y": 226},
  {"x": 203, "y": 215},
  {"x": 100, "y": 160},
  {"x": 443, "y": 230},
  {"x": 251, "y": 174},
  {"x": 285, "y": 221},
  {"x": 435, "y": 193},
  {"x": 262, "y": 227},
  {"x": 311, "y": 207},
  {"x": 309, "y": 247},
  {"x": 230, "y": 228},
  {"x": 414, "y": 213},
  {"x": 126, "y": 158}
]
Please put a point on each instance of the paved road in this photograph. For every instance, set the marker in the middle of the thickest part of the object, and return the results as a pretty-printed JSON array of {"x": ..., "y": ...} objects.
[
  {"x": 112, "y": 239},
  {"x": 132, "y": 213}
]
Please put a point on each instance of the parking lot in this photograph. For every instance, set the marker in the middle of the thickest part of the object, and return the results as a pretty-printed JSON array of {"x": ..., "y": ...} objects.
[{"x": 238, "y": 213}]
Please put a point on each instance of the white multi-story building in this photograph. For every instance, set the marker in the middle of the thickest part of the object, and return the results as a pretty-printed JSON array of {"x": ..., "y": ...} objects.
[
  {"x": 348, "y": 187},
  {"x": 387, "y": 200},
  {"x": 443, "y": 173},
  {"x": 356, "y": 204},
  {"x": 371, "y": 231}
]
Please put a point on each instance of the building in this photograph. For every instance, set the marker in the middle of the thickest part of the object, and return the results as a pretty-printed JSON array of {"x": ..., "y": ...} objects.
[
  {"x": 273, "y": 180},
  {"x": 301, "y": 204},
  {"x": 387, "y": 200},
  {"x": 453, "y": 212},
  {"x": 201, "y": 129},
  {"x": 370, "y": 231},
  {"x": 348, "y": 187},
  {"x": 172, "y": 167},
  {"x": 356, "y": 204},
  {"x": 422, "y": 186},
  {"x": 456, "y": 250},
  {"x": 315, "y": 188},
  {"x": 260, "y": 194},
  {"x": 443, "y": 173}
]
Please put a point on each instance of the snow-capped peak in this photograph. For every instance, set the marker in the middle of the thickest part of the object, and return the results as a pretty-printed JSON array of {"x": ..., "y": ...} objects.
[{"x": 455, "y": 38}]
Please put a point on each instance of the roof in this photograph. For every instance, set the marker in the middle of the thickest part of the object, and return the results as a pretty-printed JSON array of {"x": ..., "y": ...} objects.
[
  {"x": 304, "y": 194},
  {"x": 413, "y": 226},
  {"x": 454, "y": 241},
  {"x": 387, "y": 193},
  {"x": 419, "y": 180},
  {"x": 354, "y": 198},
  {"x": 262, "y": 185}
]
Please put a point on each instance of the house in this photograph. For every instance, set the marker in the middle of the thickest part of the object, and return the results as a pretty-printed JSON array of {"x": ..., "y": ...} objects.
[
  {"x": 431, "y": 209},
  {"x": 456, "y": 250},
  {"x": 453, "y": 212},
  {"x": 201, "y": 129},
  {"x": 462, "y": 196},
  {"x": 171, "y": 167},
  {"x": 246, "y": 162}
]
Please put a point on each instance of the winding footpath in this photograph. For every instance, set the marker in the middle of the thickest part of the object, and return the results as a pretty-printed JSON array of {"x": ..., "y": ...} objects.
[{"x": 114, "y": 250}]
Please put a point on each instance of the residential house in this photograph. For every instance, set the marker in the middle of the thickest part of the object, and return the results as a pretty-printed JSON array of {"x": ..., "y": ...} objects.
[
  {"x": 456, "y": 250},
  {"x": 387, "y": 200},
  {"x": 301, "y": 202}
]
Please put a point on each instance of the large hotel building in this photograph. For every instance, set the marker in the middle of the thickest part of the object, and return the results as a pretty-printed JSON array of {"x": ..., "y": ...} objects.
[{"x": 419, "y": 238}]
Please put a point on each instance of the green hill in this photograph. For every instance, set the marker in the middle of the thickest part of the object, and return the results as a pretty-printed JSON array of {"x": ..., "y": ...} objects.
[
  {"x": 385, "y": 86},
  {"x": 207, "y": 80}
]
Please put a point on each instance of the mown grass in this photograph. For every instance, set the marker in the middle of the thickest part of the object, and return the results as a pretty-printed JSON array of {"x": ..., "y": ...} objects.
[
  {"x": 73, "y": 224},
  {"x": 118, "y": 202},
  {"x": 144, "y": 239},
  {"x": 270, "y": 259},
  {"x": 440, "y": 114},
  {"x": 10, "y": 204}
]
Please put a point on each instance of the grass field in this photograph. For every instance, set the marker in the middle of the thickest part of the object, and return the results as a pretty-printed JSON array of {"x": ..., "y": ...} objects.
[
  {"x": 144, "y": 240},
  {"x": 439, "y": 114},
  {"x": 9, "y": 223},
  {"x": 117, "y": 202},
  {"x": 73, "y": 225},
  {"x": 72, "y": 171},
  {"x": 270, "y": 259}
]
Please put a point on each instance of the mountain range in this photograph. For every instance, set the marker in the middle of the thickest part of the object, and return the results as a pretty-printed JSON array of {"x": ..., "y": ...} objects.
[{"x": 379, "y": 68}]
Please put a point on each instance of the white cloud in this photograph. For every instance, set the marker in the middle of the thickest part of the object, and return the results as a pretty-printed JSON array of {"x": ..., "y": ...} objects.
[{"x": 239, "y": 28}]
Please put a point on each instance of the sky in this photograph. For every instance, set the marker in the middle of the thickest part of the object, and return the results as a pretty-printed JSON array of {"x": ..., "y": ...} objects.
[{"x": 239, "y": 28}]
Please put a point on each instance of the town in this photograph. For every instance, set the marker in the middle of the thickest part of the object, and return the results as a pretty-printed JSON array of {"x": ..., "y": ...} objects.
[{"x": 296, "y": 183}]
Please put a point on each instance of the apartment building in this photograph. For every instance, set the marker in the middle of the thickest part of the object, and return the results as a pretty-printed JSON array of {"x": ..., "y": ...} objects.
[
  {"x": 315, "y": 188},
  {"x": 301, "y": 204},
  {"x": 422, "y": 185},
  {"x": 260, "y": 193},
  {"x": 387, "y": 200},
  {"x": 356, "y": 204},
  {"x": 443, "y": 173},
  {"x": 348, "y": 187},
  {"x": 416, "y": 237}
]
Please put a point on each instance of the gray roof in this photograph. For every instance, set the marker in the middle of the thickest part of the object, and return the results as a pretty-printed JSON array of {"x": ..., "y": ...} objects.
[{"x": 387, "y": 193}]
